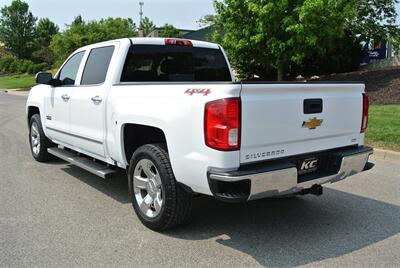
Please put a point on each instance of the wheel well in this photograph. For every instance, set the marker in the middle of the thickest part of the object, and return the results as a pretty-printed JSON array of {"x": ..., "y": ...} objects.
[
  {"x": 138, "y": 135},
  {"x": 31, "y": 111}
]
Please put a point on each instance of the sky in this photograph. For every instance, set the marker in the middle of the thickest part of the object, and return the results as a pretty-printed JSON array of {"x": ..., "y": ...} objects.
[{"x": 180, "y": 13}]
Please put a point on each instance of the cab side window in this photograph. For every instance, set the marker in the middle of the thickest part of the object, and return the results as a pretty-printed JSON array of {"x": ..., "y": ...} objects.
[
  {"x": 96, "y": 68},
  {"x": 69, "y": 72}
]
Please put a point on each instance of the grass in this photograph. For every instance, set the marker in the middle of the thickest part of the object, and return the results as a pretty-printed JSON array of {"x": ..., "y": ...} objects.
[
  {"x": 384, "y": 127},
  {"x": 17, "y": 81}
]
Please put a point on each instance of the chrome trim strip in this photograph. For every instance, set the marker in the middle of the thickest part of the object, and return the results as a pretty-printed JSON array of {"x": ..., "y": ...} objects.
[{"x": 73, "y": 135}]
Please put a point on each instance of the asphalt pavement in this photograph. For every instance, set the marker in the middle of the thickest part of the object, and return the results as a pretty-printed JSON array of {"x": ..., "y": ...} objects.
[{"x": 57, "y": 215}]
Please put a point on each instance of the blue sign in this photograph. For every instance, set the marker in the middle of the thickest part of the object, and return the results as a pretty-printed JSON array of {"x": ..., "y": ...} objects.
[{"x": 379, "y": 52}]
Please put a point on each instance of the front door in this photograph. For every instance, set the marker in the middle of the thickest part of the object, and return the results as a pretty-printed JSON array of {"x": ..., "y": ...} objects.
[
  {"x": 57, "y": 104},
  {"x": 88, "y": 103}
]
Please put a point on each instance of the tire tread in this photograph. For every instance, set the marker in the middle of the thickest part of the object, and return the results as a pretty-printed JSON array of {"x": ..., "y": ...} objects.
[
  {"x": 179, "y": 207},
  {"x": 45, "y": 143}
]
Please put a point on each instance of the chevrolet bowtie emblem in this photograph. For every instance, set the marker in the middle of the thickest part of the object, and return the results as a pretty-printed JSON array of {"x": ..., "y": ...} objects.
[{"x": 313, "y": 123}]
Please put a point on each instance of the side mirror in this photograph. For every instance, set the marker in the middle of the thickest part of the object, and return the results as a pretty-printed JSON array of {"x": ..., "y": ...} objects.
[{"x": 44, "y": 78}]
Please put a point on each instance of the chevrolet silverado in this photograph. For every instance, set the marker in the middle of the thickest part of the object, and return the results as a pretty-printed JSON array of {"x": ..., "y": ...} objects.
[{"x": 169, "y": 112}]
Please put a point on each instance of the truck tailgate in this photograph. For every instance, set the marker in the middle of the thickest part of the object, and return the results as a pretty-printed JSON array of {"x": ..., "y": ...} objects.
[{"x": 280, "y": 120}]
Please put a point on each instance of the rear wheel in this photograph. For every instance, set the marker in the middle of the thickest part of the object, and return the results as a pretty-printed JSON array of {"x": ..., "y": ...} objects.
[
  {"x": 38, "y": 141},
  {"x": 158, "y": 200}
]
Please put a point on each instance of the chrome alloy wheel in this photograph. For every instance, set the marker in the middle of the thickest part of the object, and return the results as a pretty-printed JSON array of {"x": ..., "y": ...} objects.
[
  {"x": 35, "y": 138},
  {"x": 148, "y": 188}
]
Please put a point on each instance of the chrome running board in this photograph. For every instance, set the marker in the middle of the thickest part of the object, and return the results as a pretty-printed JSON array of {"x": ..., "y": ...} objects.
[{"x": 84, "y": 162}]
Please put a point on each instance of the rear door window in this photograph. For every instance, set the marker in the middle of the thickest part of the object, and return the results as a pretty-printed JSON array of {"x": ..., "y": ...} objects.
[
  {"x": 155, "y": 63},
  {"x": 97, "y": 64}
]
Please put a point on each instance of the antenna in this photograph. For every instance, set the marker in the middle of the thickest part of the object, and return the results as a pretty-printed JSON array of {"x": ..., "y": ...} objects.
[{"x": 141, "y": 4}]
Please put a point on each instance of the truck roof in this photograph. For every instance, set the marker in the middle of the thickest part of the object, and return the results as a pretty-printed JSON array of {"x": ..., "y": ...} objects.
[
  {"x": 152, "y": 41},
  {"x": 161, "y": 41}
]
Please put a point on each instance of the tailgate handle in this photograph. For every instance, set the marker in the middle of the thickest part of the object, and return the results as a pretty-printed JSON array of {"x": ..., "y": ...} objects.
[{"x": 313, "y": 106}]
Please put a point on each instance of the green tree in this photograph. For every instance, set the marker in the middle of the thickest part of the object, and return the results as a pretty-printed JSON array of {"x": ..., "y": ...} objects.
[
  {"x": 147, "y": 26},
  {"x": 207, "y": 20},
  {"x": 77, "y": 20},
  {"x": 375, "y": 19},
  {"x": 267, "y": 36},
  {"x": 17, "y": 29},
  {"x": 45, "y": 31},
  {"x": 344, "y": 56},
  {"x": 81, "y": 33},
  {"x": 169, "y": 30},
  {"x": 4, "y": 52},
  {"x": 271, "y": 35}
]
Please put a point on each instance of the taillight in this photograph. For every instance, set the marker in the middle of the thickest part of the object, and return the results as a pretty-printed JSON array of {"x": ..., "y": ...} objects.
[
  {"x": 364, "y": 123},
  {"x": 178, "y": 42},
  {"x": 222, "y": 124}
]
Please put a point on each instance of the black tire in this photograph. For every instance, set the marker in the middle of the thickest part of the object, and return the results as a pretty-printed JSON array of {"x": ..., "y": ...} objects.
[
  {"x": 177, "y": 203},
  {"x": 40, "y": 155}
]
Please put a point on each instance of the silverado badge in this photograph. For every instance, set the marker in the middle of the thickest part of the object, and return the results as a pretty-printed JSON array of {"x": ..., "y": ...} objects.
[{"x": 313, "y": 123}]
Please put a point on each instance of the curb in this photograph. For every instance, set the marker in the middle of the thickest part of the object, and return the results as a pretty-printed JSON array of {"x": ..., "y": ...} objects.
[
  {"x": 17, "y": 92},
  {"x": 386, "y": 154}
]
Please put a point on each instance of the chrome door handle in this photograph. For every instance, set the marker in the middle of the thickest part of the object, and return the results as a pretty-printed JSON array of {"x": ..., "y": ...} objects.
[
  {"x": 97, "y": 99},
  {"x": 65, "y": 97}
]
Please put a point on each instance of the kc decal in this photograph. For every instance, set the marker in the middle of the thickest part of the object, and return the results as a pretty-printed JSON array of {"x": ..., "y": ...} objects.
[
  {"x": 203, "y": 91},
  {"x": 309, "y": 164}
]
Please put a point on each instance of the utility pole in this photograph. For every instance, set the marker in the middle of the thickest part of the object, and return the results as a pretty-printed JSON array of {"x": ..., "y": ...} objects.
[{"x": 141, "y": 4}]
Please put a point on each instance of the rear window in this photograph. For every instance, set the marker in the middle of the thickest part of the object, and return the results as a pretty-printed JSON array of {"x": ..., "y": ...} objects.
[{"x": 154, "y": 63}]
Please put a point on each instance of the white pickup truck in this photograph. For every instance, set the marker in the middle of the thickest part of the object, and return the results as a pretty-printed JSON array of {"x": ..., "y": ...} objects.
[{"x": 170, "y": 113}]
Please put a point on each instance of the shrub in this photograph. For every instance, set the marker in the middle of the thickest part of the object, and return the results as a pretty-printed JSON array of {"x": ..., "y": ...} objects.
[
  {"x": 23, "y": 65},
  {"x": 13, "y": 67},
  {"x": 5, "y": 63},
  {"x": 35, "y": 68},
  {"x": 30, "y": 69}
]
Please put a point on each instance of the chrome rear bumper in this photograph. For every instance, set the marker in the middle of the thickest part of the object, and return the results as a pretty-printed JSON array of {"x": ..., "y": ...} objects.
[{"x": 282, "y": 178}]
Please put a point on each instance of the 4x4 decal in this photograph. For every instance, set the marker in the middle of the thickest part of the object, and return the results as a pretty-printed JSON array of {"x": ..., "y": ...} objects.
[{"x": 192, "y": 91}]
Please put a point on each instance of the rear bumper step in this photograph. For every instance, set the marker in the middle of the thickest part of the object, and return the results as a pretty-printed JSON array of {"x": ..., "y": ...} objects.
[
  {"x": 282, "y": 178},
  {"x": 96, "y": 168}
]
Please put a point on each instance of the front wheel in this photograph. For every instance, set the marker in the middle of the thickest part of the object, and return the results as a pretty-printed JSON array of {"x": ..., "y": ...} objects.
[
  {"x": 158, "y": 200},
  {"x": 38, "y": 141}
]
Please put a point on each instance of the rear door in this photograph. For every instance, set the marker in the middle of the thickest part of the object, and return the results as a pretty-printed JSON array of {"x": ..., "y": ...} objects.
[
  {"x": 280, "y": 120},
  {"x": 88, "y": 102},
  {"x": 58, "y": 105}
]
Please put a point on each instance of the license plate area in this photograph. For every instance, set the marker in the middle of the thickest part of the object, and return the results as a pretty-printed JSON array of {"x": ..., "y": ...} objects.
[
  {"x": 308, "y": 166},
  {"x": 314, "y": 166}
]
